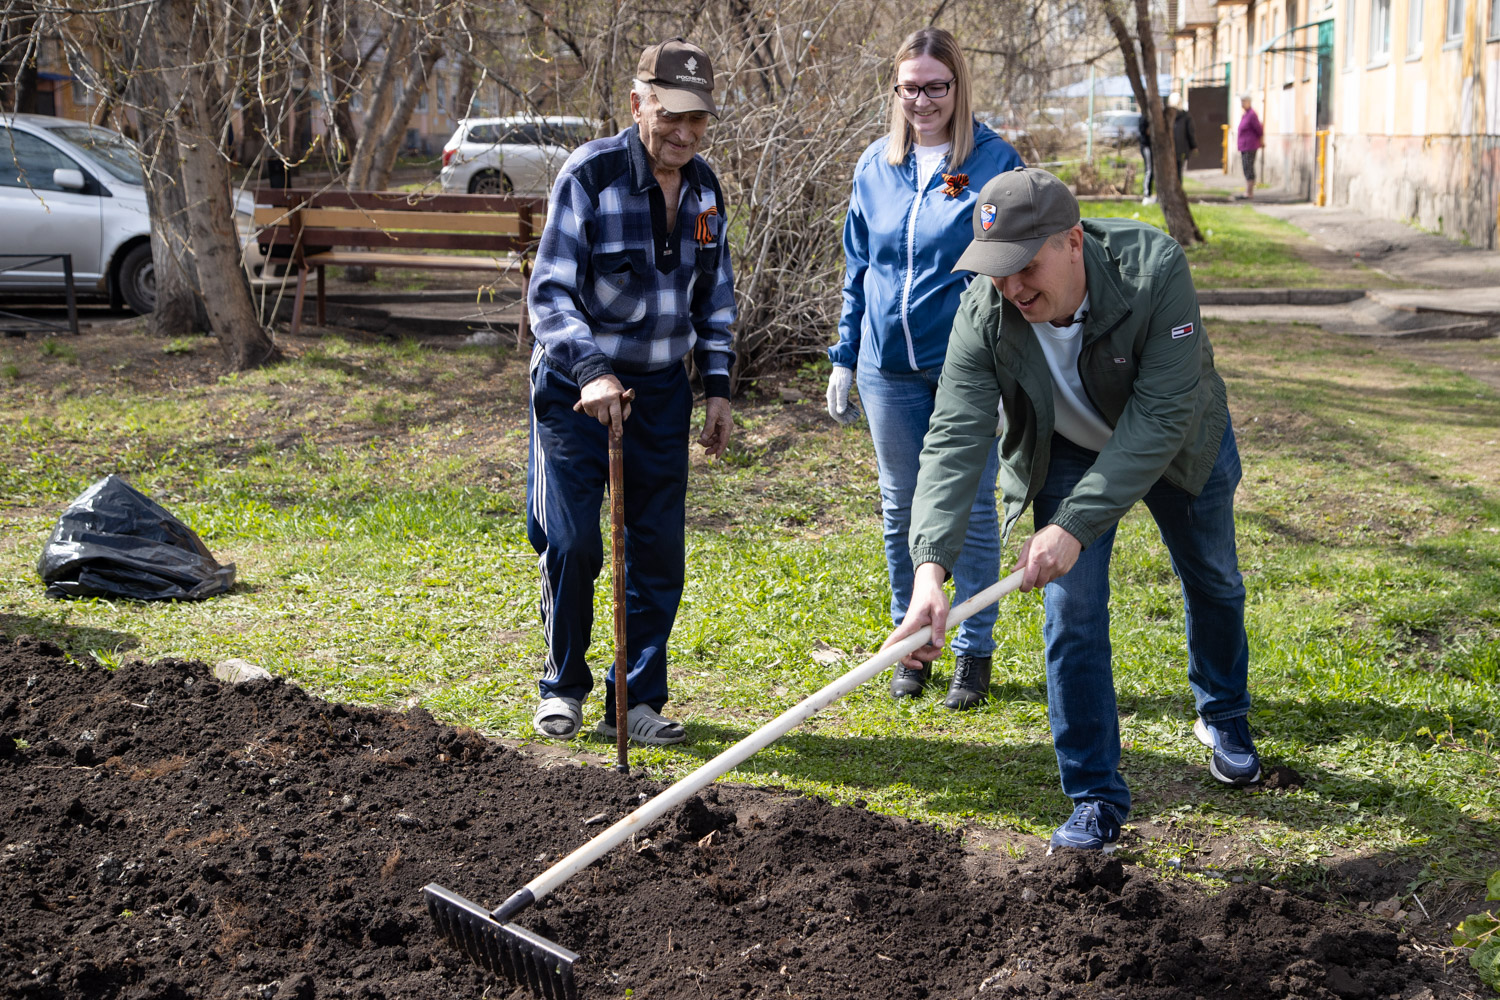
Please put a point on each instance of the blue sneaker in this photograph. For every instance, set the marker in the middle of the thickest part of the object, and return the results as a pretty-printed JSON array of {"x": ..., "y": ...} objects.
[
  {"x": 1092, "y": 827},
  {"x": 1234, "y": 760}
]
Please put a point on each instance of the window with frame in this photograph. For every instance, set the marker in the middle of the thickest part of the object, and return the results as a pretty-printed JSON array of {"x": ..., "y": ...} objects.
[
  {"x": 1291, "y": 41},
  {"x": 1351, "y": 12},
  {"x": 1075, "y": 18},
  {"x": 1277, "y": 43},
  {"x": 1494, "y": 19},
  {"x": 1414, "y": 11},
  {"x": 1256, "y": 57},
  {"x": 422, "y": 101},
  {"x": 1380, "y": 30},
  {"x": 1455, "y": 21},
  {"x": 1247, "y": 48},
  {"x": 26, "y": 161},
  {"x": 442, "y": 94}
]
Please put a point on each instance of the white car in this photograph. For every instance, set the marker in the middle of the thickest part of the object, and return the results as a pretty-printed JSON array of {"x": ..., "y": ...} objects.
[
  {"x": 70, "y": 187},
  {"x": 1118, "y": 127},
  {"x": 518, "y": 155}
]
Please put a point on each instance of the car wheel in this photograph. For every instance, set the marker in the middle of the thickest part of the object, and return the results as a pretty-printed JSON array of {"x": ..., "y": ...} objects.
[
  {"x": 138, "y": 279},
  {"x": 491, "y": 182}
]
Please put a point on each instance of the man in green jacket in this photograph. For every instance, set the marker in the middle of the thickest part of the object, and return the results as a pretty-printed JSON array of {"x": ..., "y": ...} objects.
[{"x": 1087, "y": 340}]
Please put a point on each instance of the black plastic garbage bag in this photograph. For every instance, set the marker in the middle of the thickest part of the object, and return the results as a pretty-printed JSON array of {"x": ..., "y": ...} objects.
[{"x": 114, "y": 541}]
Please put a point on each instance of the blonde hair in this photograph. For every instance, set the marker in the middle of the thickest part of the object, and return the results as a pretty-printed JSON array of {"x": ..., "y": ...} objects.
[{"x": 943, "y": 47}]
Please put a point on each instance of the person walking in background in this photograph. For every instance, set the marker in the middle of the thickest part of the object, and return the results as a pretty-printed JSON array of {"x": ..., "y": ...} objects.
[
  {"x": 1249, "y": 137},
  {"x": 1184, "y": 136},
  {"x": 909, "y": 220},
  {"x": 1148, "y": 188},
  {"x": 631, "y": 274}
]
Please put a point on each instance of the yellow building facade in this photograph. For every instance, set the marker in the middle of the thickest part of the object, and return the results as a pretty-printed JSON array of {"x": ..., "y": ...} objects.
[{"x": 1401, "y": 97}]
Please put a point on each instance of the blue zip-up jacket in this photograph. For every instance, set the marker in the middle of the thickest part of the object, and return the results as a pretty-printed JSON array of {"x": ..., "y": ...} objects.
[{"x": 900, "y": 295}]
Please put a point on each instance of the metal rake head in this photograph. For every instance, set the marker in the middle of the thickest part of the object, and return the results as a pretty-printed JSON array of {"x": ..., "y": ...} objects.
[{"x": 505, "y": 949}]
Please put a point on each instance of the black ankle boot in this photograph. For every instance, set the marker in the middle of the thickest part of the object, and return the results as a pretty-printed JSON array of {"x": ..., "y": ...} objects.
[
  {"x": 971, "y": 681},
  {"x": 908, "y": 683}
]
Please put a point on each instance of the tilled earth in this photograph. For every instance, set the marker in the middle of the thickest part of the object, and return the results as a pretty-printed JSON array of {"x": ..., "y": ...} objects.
[{"x": 167, "y": 836}]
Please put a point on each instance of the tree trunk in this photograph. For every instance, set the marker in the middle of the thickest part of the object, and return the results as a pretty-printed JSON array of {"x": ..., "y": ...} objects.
[
  {"x": 1142, "y": 75},
  {"x": 389, "y": 146},
  {"x": 209, "y": 213},
  {"x": 463, "y": 86},
  {"x": 179, "y": 310},
  {"x": 365, "y": 150},
  {"x": 1174, "y": 205}
]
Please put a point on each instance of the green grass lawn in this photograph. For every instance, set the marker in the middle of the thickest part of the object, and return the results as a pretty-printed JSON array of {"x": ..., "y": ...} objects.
[
  {"x": 1242, "y": 248},
  {"x": 372, "y": 497}
]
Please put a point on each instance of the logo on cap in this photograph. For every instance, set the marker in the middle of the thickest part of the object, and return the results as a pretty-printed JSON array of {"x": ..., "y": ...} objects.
[
  {"x": 692, "y": 64},
  {"x": 986, "y": 217}
]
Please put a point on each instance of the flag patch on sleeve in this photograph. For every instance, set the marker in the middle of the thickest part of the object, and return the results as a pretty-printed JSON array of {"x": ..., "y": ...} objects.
[{"x": 1185, "y": 330}]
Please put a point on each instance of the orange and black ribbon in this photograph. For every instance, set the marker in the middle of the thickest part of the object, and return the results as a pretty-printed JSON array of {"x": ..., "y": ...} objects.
[
  {"x": 704, "y": 233},
  {"x": 954, "y": 184}
]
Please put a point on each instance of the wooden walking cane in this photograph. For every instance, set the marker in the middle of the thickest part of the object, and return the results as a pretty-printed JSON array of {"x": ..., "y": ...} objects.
[{"x": 617, "y": 554}]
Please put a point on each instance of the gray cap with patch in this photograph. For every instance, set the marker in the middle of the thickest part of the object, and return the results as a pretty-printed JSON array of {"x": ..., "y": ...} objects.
[{"x": 1016, "y": 212}]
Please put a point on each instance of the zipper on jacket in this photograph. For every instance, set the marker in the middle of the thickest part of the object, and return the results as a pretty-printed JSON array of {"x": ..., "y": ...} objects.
[
  {"x": 911, "y": 259},
  {"x": 1079, "y": 365}
]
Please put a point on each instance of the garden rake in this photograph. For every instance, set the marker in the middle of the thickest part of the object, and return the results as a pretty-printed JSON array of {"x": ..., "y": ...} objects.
[{"x": 489, "y": 937}]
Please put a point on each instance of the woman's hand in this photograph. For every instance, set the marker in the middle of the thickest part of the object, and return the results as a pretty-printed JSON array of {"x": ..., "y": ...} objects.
[{"x": 839, "y": 407}]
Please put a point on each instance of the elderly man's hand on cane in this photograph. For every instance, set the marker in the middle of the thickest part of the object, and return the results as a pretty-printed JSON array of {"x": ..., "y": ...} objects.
[{"x": 607, "y": 401}]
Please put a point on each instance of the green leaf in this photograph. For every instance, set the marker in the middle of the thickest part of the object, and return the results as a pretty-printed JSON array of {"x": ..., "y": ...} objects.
[
  {"x": 1492, "y": 887},
  {"x": 1474, "y": 929},
  {"x": 1486, "y": 962}
]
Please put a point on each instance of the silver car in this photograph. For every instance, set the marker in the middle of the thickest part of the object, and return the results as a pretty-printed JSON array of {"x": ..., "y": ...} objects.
[
  {"x": 70, "y": 187},
  {"x": 518, "y": 155}
]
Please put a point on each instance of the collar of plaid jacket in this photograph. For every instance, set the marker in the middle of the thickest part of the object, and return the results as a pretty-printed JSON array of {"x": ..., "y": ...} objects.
[{"x": 641, "y": 178}]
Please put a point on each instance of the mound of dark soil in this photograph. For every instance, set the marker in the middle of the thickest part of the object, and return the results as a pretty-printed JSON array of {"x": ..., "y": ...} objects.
[{"x": 163, "y": 835}]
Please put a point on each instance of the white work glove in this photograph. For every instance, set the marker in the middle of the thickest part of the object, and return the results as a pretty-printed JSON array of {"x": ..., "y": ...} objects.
[{"x": 839, "y": 407}]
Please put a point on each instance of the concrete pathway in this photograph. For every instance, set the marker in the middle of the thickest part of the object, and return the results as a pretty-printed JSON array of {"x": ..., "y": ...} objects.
[{"x": 1461, "y": 300}]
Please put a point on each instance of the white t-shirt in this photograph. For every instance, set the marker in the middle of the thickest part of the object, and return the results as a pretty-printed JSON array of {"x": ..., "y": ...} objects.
[
  {"x": 928, "y": 159},
  {"x": 1075, "y": 417}
]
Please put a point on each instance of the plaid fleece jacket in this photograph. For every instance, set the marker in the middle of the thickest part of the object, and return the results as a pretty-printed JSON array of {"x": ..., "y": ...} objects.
[{"x": 608, "y": 296}]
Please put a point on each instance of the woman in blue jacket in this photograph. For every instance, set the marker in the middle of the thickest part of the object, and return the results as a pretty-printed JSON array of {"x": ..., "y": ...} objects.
[{"x": 910, "y": 216}]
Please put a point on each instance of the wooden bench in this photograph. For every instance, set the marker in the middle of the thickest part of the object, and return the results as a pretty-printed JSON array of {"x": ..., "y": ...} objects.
[{"x": 311, "y": 230}]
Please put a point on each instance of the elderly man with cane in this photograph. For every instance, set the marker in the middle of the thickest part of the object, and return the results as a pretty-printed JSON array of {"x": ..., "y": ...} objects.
[{"x": 631, "y": 275}]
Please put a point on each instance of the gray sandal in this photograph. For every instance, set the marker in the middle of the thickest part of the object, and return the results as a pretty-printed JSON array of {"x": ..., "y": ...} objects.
[
  {"x": 646, "y": 726},
  {"x": 558, "y": 718}
]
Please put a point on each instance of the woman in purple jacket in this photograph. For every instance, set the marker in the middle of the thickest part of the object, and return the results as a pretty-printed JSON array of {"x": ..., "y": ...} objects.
[
  {"x": 1249, "y": 138},
  {"x": 910, "y": 217}
]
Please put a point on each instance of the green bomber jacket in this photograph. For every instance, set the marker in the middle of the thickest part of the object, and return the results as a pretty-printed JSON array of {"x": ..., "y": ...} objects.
[{"x": 1145, "y": 363}]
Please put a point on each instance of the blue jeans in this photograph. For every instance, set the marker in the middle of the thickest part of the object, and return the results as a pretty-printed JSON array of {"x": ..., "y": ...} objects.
[
  {"x": 898, "y": 406},
  {"x": 1199, "y": 535},
  {"x": 566, "y": 479}
]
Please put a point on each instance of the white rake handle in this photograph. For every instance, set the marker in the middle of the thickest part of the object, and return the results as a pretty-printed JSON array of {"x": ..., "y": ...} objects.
[{"x": 705, "y": 775}]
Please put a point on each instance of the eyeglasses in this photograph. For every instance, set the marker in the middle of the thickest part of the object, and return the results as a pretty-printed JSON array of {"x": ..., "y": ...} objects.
[{"x": 910, "y": 91}]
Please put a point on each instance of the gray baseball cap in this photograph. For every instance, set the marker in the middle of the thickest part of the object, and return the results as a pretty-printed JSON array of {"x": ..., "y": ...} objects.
[
  {"x": 681, "y": 75},
  {"x": 1016, "y": 212}
]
